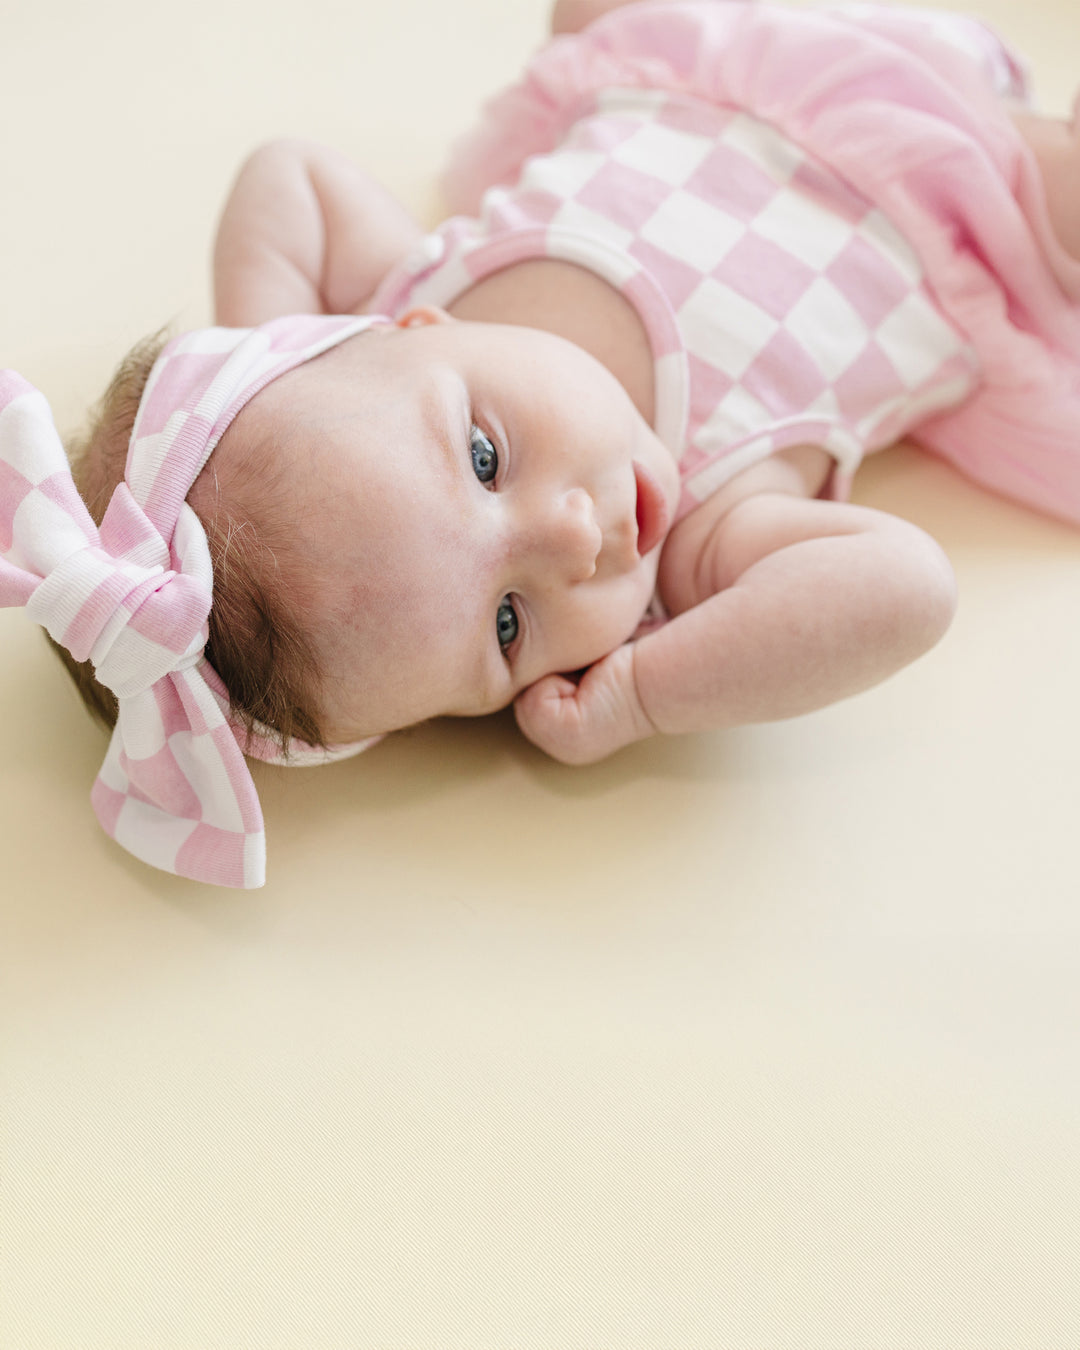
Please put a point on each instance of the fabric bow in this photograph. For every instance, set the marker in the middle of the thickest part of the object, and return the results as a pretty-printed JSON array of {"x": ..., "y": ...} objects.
[{"x": 134, "y": 596}]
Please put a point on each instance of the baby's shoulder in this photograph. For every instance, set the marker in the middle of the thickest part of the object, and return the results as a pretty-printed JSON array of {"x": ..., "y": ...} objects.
[{"x": 801, "y": 471}]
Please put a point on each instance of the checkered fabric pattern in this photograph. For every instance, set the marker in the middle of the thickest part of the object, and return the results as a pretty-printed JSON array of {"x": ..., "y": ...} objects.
[
  {"x": 825, "y": 219},
  {"x": 133, "y": 597},
  {"x": 784, "y": 308}
]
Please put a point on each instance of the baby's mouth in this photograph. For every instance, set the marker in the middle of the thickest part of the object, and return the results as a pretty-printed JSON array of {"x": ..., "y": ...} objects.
[{"x": 653, "y": 513}]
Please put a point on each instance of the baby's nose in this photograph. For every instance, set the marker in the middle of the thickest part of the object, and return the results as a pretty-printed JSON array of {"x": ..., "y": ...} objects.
[{"x": 569, "y": 539}]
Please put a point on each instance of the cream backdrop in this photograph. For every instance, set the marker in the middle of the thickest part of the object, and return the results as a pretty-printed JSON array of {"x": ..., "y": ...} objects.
[{"x": 749, "y": 1041}]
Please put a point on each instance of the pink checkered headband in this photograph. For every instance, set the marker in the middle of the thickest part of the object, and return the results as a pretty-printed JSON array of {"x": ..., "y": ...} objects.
[{"x": 134, "y": 596}]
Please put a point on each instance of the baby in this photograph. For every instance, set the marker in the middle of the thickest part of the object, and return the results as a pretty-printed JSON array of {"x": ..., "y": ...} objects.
[
  {"x": 497, "y": 479},
  {"x": 587, "y": 448}
]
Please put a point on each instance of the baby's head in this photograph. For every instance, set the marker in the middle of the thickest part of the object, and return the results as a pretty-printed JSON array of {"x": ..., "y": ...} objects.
[{"x": 424, "y": 520}]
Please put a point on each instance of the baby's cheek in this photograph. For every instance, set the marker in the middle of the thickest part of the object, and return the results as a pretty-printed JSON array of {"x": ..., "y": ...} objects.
[{"x": 609, "y": 621}]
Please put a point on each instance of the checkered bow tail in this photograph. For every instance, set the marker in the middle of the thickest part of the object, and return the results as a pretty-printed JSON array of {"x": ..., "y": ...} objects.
[{"x": 174, "y": 789}]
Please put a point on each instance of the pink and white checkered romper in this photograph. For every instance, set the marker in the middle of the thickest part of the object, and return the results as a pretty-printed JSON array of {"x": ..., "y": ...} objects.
[{"x": 826, "y": 221}]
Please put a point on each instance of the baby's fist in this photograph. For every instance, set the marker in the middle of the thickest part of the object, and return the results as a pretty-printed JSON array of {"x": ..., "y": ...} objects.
[{"x": 584, "y": 722}]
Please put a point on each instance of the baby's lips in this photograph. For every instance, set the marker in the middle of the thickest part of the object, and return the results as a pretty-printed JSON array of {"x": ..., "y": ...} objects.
[{"x": 653, "y": 513}]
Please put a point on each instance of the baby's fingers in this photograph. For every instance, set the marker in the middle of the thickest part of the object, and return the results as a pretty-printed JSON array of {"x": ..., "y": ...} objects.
[
  {"x": 550, "y": 715},
  {"x": 584, "y": 722}
]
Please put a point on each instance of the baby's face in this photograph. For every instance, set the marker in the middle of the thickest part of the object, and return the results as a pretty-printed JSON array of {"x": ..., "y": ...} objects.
[{"x": 482, "y": 506}]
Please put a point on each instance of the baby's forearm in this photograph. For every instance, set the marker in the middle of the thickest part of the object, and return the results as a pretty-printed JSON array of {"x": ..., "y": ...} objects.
[
  {"x": 790, "y": 605},
  {"x": 304, "y": 231},
  {"x": 804, "y": 626}
]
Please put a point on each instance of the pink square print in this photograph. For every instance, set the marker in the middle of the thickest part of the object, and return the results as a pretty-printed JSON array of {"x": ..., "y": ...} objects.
[
  {"x": 107, "y": 804},
  {"x": 829, "y": 191},
  {"x": 13, "y": 488},
  {"x": 219, "y": 850},
  {"x": 870, "y": 284},
  {"x": 766, "y": 274},
  {"x": 694, "y": 458},
  {"x": 601, "y": 131},
  {"x": 868, "y": 382},
  {"x": 523, "y": 210},
  {"x": 676, "y": 279},
  {"x": 173, "y": 386},
  {"x": 698, "y": 118},
  {"x": 163, "y": 784},
  {"x": 784, "y": 377},
  {"x": 12, "y": 386},
  {"x": 623, "y": 194},
  {"x": 707, "y": 387},
  {"x": 733, "y": 180}
]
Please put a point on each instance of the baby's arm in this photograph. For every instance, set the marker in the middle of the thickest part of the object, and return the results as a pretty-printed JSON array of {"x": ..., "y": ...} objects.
[
  {"x": 304, "y": 231},
  {"x": 783, "y": 605}
]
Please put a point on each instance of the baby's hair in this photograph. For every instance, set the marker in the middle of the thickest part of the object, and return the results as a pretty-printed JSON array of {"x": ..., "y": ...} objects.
[{"x": 255, "y": 645}]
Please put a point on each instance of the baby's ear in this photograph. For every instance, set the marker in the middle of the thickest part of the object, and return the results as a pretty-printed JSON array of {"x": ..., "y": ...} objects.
[{"x": 423, "y": 315}]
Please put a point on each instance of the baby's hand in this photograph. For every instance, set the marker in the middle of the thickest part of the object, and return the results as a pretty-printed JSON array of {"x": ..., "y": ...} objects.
[{"x": 581, "y": 723}]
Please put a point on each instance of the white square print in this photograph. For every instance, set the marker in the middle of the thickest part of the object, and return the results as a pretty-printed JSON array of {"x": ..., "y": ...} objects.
[
  {"x": 737, "y": 415},
  {"x": 693, "y": 231},
  {"x": 828, "y": 328},
  {"x": 804, "y": 229},
  {"x": 20, "y": 451},
  {"x": 573, "y": 216},
  {"x": 768, "y": 148},
  {"x": 723, "y": 328},
  {"x": 663, "y": 152},
  {"x": 917, "y": 339},
  {"x": 563, "y": 175}
]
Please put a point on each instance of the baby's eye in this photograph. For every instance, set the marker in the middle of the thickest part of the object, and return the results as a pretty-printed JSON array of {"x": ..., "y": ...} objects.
[
  {"x": 485, "y": 459},
  {"x": 506, "y": 623}
]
